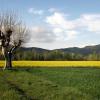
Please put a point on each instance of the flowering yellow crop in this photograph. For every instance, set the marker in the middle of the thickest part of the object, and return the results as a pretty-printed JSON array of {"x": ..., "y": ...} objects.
[{"x": 54, "y": 63}]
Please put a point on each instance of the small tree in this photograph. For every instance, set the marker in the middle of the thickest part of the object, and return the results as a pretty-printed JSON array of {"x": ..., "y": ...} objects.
[{"x": 12, "y": 36}]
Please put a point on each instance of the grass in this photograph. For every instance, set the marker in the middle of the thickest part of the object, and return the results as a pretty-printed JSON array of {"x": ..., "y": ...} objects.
[
  {"x": 54, "y": 63},
  {"x": 50, "y": 84}
]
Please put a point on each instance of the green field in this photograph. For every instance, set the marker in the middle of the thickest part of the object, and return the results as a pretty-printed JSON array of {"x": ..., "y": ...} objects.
[{"x": 50, "y": 84}]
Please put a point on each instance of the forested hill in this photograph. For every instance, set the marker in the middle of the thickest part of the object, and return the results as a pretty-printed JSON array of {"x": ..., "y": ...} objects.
[
  {"x": 75, "y": 53},
  {"x": 84, "y": 51}
]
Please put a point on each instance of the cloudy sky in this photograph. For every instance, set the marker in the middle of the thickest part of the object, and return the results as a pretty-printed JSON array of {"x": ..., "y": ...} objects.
[{"x": 58, "y": 23}]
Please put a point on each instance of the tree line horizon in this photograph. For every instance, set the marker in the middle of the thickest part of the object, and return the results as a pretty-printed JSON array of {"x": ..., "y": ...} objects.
[{"x": 53, "y": 55}]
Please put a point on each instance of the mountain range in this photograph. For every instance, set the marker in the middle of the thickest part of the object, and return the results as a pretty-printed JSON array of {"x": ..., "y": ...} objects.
[
  {"x": 73, "y": 53},
  {"x": 84, "y": 51}
]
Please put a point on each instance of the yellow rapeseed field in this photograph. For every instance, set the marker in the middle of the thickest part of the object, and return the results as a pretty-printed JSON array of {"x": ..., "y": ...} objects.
[{"x": 54, "y": 63}]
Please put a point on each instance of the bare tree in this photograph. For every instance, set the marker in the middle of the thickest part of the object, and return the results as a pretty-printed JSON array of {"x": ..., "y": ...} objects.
[{"x": 12, "y": 35}]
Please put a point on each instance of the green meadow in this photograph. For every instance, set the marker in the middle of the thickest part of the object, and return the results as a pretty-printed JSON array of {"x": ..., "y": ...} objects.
[{"x": 50, "y": 83}]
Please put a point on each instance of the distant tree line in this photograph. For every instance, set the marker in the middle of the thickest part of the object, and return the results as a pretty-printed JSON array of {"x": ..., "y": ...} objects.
[{"x": 52, "y": 55}]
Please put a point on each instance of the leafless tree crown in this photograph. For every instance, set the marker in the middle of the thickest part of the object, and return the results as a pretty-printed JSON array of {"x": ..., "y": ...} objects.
[{"x": 12, "y": 31}]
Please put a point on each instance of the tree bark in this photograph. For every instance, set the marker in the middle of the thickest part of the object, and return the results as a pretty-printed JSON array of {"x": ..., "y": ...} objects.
[{"x": 8, "y": 59}]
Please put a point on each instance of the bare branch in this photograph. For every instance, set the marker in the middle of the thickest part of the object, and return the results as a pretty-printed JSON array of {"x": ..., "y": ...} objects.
[
  {"x": 13, "y": 34},
  {"x": 1, "y": 21},
  {"x": 13, "y": 29},
  {"x": 20, "y": 34}
]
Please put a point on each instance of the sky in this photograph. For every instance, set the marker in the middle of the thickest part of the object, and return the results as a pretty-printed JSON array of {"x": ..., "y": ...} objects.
[{"x": 58, "y": 24}]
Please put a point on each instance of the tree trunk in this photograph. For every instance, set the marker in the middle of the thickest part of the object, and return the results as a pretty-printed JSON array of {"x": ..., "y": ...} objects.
[{"x": 8, "y": 59}]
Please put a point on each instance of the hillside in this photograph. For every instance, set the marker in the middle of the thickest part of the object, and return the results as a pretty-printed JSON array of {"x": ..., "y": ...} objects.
[
  {"x": 73, "y": 53},
  {"x": 85, "y": 50}
]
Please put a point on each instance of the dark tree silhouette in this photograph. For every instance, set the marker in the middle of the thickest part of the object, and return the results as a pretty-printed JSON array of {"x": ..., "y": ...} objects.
[{"x": 13, "y": 33}]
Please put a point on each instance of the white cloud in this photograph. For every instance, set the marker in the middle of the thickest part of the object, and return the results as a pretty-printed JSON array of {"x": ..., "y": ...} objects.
[
  {"x": 51, "y": 10},
  {"x": 57, "y": 30},
  {"x": 66, "y": 29},
  {"x": 41, "y": 34},
  {"x": 61, "y": 26},
  {"x": 35, "y": 12},
  {"x": 91, "y": 22},
  {"x": 59, "y": 20},
  {"x": 71, "y": 34}
]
